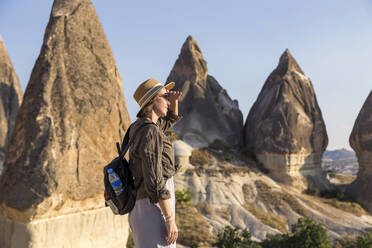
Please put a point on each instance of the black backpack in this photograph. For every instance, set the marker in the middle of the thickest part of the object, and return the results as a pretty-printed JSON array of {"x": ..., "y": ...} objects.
[{"x": 123, "y": 203}]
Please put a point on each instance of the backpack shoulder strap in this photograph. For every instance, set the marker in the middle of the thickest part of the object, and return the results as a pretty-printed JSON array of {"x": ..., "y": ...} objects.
[{"x": 127, "y": 142}]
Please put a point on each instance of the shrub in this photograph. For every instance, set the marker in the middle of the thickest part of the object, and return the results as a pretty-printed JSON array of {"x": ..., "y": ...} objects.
[
  {"x": 235, "y": 238},
  {"x": 228, "y": 157},
  {"x": 199, "y": 157},
  {"x": 332, "y": 193},
  {"x": 312, "y": 191},
  {"x": 305, "y": 234},
  {"x": 248, "y": 152},
  {"x": 362, "y": 241},
  {"x": 308, "y": 234},
  {"x": 183, "y": 196},
  {"x": 172, "y": 136},
  {"x": 276, "y": 241},
  {"x": 130, "y": 242},
  {"x": 218, "y": 144}
]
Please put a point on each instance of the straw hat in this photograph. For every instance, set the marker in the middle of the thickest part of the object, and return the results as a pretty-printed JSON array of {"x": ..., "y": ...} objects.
[{"x": 148, "y": 89}]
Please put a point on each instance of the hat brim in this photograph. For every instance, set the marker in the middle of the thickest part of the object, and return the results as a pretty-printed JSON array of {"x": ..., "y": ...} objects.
[{"x": 168, "y": 86}]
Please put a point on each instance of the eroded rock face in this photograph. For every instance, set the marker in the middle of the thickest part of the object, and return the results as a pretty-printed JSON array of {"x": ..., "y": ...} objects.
[
  {"x": 10, "y": 100},
  {"x": 209, "y": 113},
  {"x": 285, "y": 127},
  {"x": 72, "y": 114},
  {"x": 361, "y": 142}
]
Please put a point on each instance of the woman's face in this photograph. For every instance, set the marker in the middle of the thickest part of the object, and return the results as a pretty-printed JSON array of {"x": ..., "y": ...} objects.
[{"x": 161, "y": 103}]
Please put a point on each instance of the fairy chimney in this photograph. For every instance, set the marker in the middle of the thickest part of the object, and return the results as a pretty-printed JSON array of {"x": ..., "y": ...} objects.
[
  {"x": 209, "y": 113},
  {"x": 361, "y": 142},
  {"x": 10, "y": 96},
  {"x": 73, "y": 112},
  {"x": 285, "y": 127}
]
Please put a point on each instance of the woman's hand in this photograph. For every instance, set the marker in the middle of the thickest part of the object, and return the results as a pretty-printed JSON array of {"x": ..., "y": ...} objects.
[
  {"x": 172, "y": 231},
  {"x": 174, "y": 95}
]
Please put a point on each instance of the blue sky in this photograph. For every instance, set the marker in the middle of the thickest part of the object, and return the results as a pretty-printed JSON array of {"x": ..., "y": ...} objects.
[{"x": 241, "y": 41}]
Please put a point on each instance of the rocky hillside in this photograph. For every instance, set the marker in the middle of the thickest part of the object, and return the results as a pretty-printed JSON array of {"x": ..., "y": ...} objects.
[{"x": 228, "y": 188}]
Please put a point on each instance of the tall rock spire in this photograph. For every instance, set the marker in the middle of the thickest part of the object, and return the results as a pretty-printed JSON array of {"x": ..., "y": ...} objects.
[
  {"x": 209, "y": 113},
  {"x": 361, "y": 142},
  {"x": 190, "y": 63},
  {"x": 10, "y": 100},
  {"x": 72, "y": 114},
  {"x": 285, "y": 127}
]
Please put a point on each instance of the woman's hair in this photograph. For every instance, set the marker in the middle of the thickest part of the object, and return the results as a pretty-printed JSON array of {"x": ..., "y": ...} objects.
[{"x": 146, "y": 110}]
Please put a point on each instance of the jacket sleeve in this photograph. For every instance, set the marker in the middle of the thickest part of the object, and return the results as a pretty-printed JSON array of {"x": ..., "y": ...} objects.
[
  {"x": 169, "y": 121},
  {"x": 150, "y": 150}
]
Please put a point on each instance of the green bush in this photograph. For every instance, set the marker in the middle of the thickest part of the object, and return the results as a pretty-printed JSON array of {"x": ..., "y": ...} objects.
[
  {"x": 305, "y": 234},
  {"x": 308, "y": 234},
  {"x": 362, "y": 241},
  {"x": 228, "y": 157},
  {"x": 130, "y": 242},
  {"x": 276, "y": 241},
  {"x": 183, "y": 196},
  {"x": 218, "y": 144},
  {"x": 332, "y": 193},
  {"x": 312, "y": 191},
  {"x": 235, "y": 238}
]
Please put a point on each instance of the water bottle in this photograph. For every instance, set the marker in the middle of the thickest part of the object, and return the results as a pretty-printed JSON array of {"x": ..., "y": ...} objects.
[{"x": 115, "y": 181}]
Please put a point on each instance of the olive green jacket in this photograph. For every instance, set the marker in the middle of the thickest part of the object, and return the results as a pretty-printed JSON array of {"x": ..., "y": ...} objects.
[{"x": 152, "y": 157}]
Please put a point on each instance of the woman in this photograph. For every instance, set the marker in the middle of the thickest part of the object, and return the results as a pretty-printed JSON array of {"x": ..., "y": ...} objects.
[{"x": 152, "y": 219}]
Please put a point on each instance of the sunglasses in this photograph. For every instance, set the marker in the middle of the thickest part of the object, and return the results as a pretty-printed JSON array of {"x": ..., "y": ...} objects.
[{"x": 165, "y": 96}]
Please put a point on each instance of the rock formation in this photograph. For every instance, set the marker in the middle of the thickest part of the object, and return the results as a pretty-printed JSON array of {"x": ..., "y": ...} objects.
[
  {"x": 361, "y": 142},
  {"x": 72, "y": 114},
  {"x": 285, "y": 128},
  {"x": 209, "y": 113},
  {"x": 10, "y": 100},
  {"x": 182, "y": 153}
]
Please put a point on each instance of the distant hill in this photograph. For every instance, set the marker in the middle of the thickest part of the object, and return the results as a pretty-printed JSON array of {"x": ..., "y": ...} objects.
[
  {"x": 340, "y": 161},
  {"x": 339, "y": 154}
]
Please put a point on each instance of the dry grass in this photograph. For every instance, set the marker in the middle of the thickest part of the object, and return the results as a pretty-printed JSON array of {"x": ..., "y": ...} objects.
[
  {"x": 193, "y": 227},
  {"x": 350, "y": 207},
  {"x": 205, "y": 208},
  {"x": 279, "y": 200},
  {"x": 273, "y": 220},
  {"x": 228, "y": 170},
  {"x": 199, "y": 157},
  {"x": 248, "y": 192},
  {"x": 224, "y": 213},
  {"x": 172, "y": 136}
]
